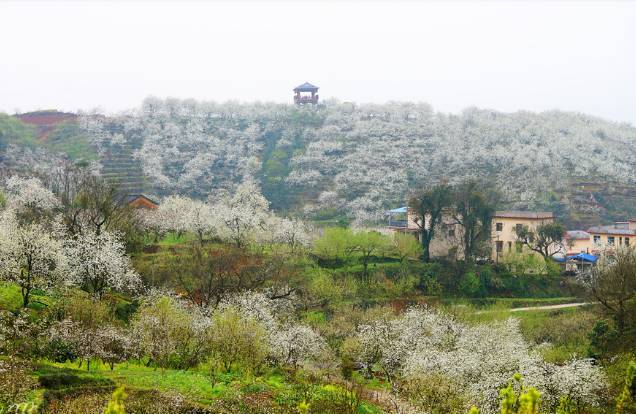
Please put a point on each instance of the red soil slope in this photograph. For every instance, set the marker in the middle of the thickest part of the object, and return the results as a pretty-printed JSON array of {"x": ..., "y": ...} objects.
[{"x": 46, "y": 121}]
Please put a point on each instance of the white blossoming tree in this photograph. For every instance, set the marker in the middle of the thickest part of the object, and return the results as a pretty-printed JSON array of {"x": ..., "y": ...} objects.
[
  {"x": 479, "y": 359},
  {"x": 29, "y": 256},
  {"x": 27, "y": 196},
  {"x": 244, "y": 213},
  {"x": 98, "y": 262}
]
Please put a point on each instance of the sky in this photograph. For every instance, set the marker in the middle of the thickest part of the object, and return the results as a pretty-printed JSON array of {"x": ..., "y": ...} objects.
[{"x": 507, "y": 56}]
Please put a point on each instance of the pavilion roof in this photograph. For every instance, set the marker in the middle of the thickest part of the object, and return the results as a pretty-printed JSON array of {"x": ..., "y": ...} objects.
[{"x": 305, "y": 87}]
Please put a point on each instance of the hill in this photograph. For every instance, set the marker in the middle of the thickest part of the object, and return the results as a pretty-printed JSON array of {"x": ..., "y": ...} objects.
[
  {"x": 358, "y": 160},
  {"x": 345, "y": 160}
]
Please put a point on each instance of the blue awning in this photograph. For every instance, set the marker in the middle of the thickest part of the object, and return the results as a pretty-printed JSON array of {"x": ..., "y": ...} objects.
[
  {"x": 585, "y": 257},
  {"x": 399, "y": 210}
]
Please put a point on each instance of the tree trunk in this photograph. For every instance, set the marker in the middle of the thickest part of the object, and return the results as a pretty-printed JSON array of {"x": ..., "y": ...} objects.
[{"x": 25, "y": 297}]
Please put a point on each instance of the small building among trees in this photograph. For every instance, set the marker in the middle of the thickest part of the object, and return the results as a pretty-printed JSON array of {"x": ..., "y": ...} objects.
[
  {"x": 140, "y": 201},
  {"x": 306, "y": 94}
]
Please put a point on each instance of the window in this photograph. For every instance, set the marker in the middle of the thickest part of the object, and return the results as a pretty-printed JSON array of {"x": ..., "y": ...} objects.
[
  {"x": 499, "y": 245},
  {"x": 611, "y": 240},
  {"x": 451, "y": 233},
  {"x": 626, "y": 241},
  {"x": 509, "y": 245},
  {"x": 597, "y": 239},
  {"x": 620, "y": 241},
  {"x": 499, "y": 226},
  {"x": 518, "y": 227}
]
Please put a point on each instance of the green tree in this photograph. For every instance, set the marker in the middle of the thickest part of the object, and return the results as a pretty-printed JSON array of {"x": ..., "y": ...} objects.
[
  {"x": 336, "y": 243},
  {"x": 116, "y": 403},
  {"x": 405, "y": 246},
  {"x": 428, "y": 207},
  {"x": 237, "y": 339},
  {"x": 546, "y": 239},
  {"x": 367, "y": 244},
  {"x": 474, "y": 210}
]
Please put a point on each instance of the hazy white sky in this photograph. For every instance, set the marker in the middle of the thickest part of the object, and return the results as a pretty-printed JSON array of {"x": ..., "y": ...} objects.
[{"x": 507, "y": 56}]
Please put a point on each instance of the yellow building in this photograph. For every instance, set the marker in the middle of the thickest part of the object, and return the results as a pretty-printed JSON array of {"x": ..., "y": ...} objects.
[
  {"x": 504, "y": 225},
  {"x": 617, "y": 234},
  {"x": 578, "y": 241},
  {"x": 448, "y": 238}
]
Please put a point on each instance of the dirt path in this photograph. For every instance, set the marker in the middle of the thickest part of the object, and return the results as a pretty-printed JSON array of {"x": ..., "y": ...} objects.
[{"x": 549, "y": 307}]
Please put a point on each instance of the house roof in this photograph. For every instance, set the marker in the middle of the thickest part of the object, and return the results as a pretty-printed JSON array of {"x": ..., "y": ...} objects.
[
  {"x": 132, "y": 197},
  {"x": 524, "y": 214},
  {"x": 305, "y": 87},
  {"x": 577, "y": 235},
  {"x": 611, "y": 229}
]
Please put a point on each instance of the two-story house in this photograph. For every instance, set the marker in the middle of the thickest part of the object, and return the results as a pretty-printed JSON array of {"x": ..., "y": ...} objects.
[
  {"x": 617, "y": 234},
  {"x": 505, "y": 225}
]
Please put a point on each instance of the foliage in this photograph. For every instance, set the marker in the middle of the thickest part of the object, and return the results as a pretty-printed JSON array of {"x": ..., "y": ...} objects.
[
  {"x": 473, "y": 212},
  {"x": 428, "y": 207},
  {"x": 627, "y": 393},
  {"x": 612, "y": 282},
  {"x": 170, "y": 334},
  {"x": 116, "y": 403},
  {"x": 15, "y": 382},
  {"x": 208, "y": 274},
  {"x": 352, "y": 156},
  {"x": 546, "y": 239},
  {"x": 237, "y": 339}
]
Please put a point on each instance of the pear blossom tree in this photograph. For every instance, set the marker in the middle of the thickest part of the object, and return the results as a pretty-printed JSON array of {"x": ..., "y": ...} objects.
[
  {"x": 30, "y": 256},
  {"x": 244, "y": 213},
  {"x": 480, "y": 359},
  {"x": 28, "y": 196},
  {"x": 181, "y": 214},
  {"x": 98, "y": 262}
]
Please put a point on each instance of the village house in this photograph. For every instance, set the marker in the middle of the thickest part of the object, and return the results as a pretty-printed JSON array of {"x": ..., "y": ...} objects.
[
  {"x": 577, "y": 241},
  {"x": 447, "y": 241},
  {"x": 617, "y": 234},
  {"x": 140, "y": 201},
  {"x": 504, "y": 230}
]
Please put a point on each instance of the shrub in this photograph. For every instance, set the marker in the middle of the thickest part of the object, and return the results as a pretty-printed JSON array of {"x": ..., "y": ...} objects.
[
  {"x": 116, "y": 403},
  {"x": 15, "y": 381},
  {"x": 433, "y": 393},
  {"x": 237, "y": 339}
]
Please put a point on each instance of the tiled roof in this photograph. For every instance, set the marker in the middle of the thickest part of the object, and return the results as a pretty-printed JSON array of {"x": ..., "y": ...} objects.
[
  {"x": 306, "y": 87},
  {"x": 524, "y": 214},
  {"x": 577, "y": 235},
  {"x": 611, "y": 229},
  {"x": 132, "y": 197}
]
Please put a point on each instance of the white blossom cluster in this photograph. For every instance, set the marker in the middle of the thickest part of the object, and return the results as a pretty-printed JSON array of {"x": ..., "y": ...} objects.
[
  {"x": 480, "y": 359},
  {"x": 106, "y": 342},
  {"x": 366, "y": 157},
  {"x": 290, "y": 342},
  {"x": 41, "y": 254},
  {"x": 29, "y": 193},
  {"x": 239, "y": 217},
  {"x": 98, "y": 262},
  {"x": 29, "y": 254}
]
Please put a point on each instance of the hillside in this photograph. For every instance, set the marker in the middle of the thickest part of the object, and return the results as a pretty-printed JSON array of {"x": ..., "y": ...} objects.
[
  {"x": 361, "y": 159},
  {"x": 342, "y": 159}
]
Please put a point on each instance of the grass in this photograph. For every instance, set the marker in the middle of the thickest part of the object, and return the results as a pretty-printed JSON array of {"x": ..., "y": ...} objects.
[
  {"x": 195, "y": 384},
  {"x": 11, "y": 298}
]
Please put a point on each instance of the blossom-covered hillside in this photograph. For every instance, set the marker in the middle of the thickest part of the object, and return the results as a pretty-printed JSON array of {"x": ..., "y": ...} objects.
[{"x": 360, "y": 159}]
